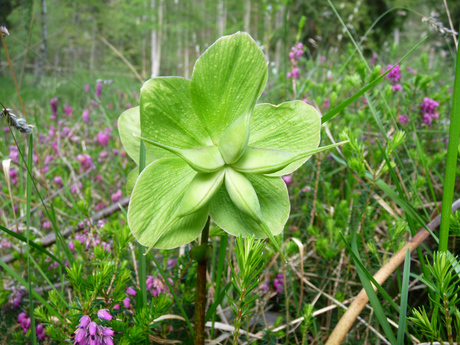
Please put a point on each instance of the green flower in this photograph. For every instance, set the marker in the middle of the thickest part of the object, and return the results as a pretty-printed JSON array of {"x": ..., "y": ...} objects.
[{"x": 217, "y": 152}]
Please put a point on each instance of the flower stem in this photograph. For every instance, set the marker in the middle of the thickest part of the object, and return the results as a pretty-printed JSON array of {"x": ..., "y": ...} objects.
[{"x": 200, "y": 299}]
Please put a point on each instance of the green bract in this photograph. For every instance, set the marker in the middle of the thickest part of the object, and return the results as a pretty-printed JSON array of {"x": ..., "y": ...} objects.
[{"x": 217, "y": 152}]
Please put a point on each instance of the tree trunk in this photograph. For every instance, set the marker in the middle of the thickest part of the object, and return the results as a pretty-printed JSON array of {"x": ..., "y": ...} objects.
[
  {"x": 278, "y": 48},
  {"x": 156, "y": 39},
  {"x": 247, "y": 16},
  {"x": 43, "y": 46},
  {"x": 221, "y": 17}
]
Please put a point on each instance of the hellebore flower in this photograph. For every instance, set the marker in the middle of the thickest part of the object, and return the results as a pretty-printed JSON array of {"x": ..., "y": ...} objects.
[{"x": 217, "y": 153}]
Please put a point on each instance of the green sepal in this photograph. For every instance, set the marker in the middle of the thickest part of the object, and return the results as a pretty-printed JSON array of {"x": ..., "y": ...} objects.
[
  {"x": 200, "y": 191},
  {"x": 244, "y": 196},
  {"x": 235, "y": 139},
  {"x": 205, "y": 159},
  {"x": 266, "y": 161}
]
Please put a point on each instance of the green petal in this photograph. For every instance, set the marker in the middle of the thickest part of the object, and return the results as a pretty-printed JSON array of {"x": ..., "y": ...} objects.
[
  {"x": 167, "y": 116},
  {"x": 154, "y": 201},
  {"x": 292, "y": 126},
  {"x": 131, "y": 180},
  {"x": 202, "y": 188},
  {"x": 227, "y": 80},
  {"x": 274, "y": 207},
  {"x": 203, "y": 159},
  {"x": 128, "y": 124},
  {"x": 266, "y": 161}
]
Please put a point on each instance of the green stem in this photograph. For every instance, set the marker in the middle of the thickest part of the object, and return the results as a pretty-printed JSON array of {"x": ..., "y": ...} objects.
[{"x": 200, "y": 299}]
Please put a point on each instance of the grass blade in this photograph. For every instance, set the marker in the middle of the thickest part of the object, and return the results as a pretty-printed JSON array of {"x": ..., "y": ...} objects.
[
  {"x": 451, "y": 163},
  {"x": 373, "y": 299},
  {"x": 404, "y": 296},
  {"x": 33, "y": 244},
  {"x": 28, "y": 207}
]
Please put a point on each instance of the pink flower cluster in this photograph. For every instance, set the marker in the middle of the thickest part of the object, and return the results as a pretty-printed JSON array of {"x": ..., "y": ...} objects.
[
  {"x": 24, "y": 320},
  {"x": 157, "y": 286},
  {"x": 294, "y": 55},
  {"x": 86, "y": 163},
  {"x": 90, "y": 333},
  {"x": 404, "y": 119},
  {"x": 54, "y": 111},
  {"x": 394, "y": 75},
  {"x": 429, "y": 111},
  {"x": 278, "y": 282}
]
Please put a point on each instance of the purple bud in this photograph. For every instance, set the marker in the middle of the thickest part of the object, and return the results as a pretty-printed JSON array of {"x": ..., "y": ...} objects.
[
  {"x": 92, "y": 328},
  {"x": 126, "y": 302},
  {"x": 116, "y": 307},
  {"x": 131, "y": 291},
  {"x": 84, "y": 321},
  {"x": 21, "y": 316},
  {"x": 98, "y": 90},
  {"x": 104, "y": 314}
]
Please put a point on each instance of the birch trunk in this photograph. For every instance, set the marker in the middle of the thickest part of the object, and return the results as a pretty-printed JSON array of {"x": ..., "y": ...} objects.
[
  {"x": 221, "y": 17},
  {"x": 247, "y": 16},
  {"x": 156, "y": 38}
]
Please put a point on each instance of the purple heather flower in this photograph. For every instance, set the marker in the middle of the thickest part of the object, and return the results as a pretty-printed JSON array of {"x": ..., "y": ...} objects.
[
  {"x": 46, "y": 224},
  {"x": 404, "y": 119},
  {"x": 172, "y": 262},
  {"x": 98, "y": 90},
  {"x": 395, "y": 74},
  {"x": 102, "y": 156},
  {"x": 14, "y": 153},
  {"x": 54, "y": 103},
  {"x": 21, "y": 316},
  {"x": 117, "y": 196},
  {"x": 86, "y": 163},
  {"x": 327, "y": 103},
  {"x": 374, "y": 57},
  {"x": 14, "y": 176},
  {"x": 126, "y": 302},
  {"x": 295, "y": 73},
  {"x": 278, "y": 282},
  {"x": 76, "y": 187},
  {"x": 396, "y": 87},
  {"x": 71, "y": 246},
  {"x": 85, "y": 115},
  {"x": 131, "y": 291},
  {"x": 287, "y": 179},
  {"x": 427, "y": 119},
  {"x": 68, "y": 110},
  {"x": 94, "y": 104},
  {"x": 116, "y": 307},
  {"x": 58, "y": 181},
  {"x": 102, "y": 138},
  {"x": 428, "y": 106},
  {"x": 86, "y": 87},
  {"x": 104, "y": 314}
]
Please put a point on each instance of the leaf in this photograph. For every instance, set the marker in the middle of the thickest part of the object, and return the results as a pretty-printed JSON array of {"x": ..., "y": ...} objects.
[
  {"x": 274, "y": 207},
  {"x": 227, "y": 80},
  {"x": 155, "y": 198},
  {"x": 128, "y": 124},
  {"x": 167, "y": 116},
  {"x": 205, "y": 159},
  {"x": 291, "y": 127},
  {"x": 266, "y": 161}
]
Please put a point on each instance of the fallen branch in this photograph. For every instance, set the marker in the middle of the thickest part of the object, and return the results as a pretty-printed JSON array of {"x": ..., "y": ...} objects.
[
  {"x": 50, "y": 239},
  {"x": 347, "y": 320}
]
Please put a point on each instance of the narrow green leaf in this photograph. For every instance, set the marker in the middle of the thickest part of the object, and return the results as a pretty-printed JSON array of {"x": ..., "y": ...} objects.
[
  {"x": 404, "y": 297},
  {"x": 451, "y": 162},
  {"x": 28, "y": 207},
  {"x": 33, "y": 244},
  {"x": 333, "y": 112},
  {"x": 373, "y": 299}
]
